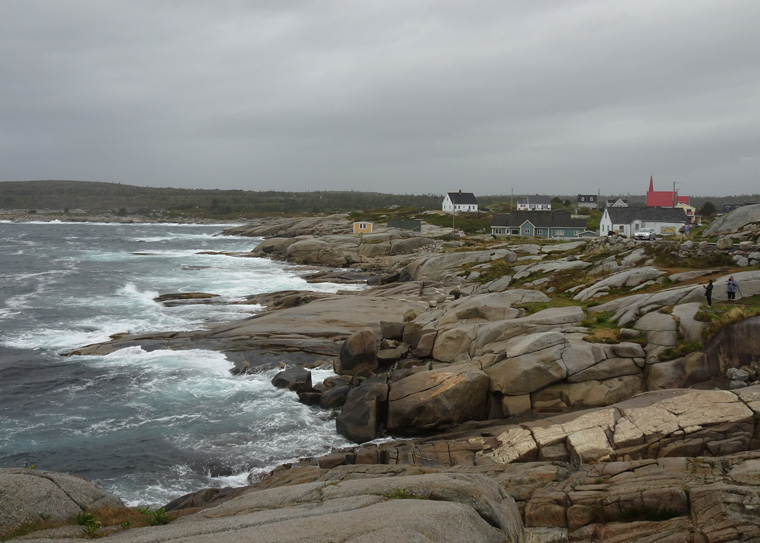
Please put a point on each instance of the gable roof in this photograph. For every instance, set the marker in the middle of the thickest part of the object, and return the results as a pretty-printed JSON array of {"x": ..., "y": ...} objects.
[
  {"x": 539, "y": 219},
  {"x": 538, "y": 200},
  {"x": 627, "y": 215},
  {"x": 664, "y": 198},
  {"x": 588, "y": 197},
  {"x": 462, "y": 198}
]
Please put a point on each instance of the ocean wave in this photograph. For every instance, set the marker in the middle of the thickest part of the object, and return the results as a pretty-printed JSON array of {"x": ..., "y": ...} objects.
[{"x": 130, "y": 290}]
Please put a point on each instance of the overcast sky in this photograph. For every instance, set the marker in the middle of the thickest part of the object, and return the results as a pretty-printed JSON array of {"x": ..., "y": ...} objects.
[{"x": 397, "y": 96}]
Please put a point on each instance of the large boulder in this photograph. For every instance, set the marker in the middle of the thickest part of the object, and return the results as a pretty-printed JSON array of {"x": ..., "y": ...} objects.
[
  {"x": 29, "y": 496},
  {"x": 735, "y": 345},
  {"x": 409, "y": 245},
  {"x": 485, "y": 307},
  {"x": 437, "y": 399},
  {"x": 321, "y": 252},
  {"x": 364, "y": 410},
  {"x": 288, "y": 227},
  {"x": 447, "y": 266},
  {"x": 627, "y": 278},
  {"x": 735, "y": 220},
  {"x": 359, "y": 352},
  {"x": 528, "y": 372},
  {"x": 295, "y": 379}
]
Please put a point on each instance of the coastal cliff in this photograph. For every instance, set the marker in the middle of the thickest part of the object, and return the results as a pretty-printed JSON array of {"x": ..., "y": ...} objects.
[{"x": 574, "y": 391}]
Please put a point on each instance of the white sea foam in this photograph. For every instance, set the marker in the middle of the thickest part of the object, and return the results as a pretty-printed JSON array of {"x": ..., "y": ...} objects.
[
  {"x": 202, "y": 426},
  {"x": 7, "y": 313},
  {"x": 131, "y": 291}
]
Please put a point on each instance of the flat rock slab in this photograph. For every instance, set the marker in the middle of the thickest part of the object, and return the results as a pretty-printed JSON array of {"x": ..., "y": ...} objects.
[{"x": 438, "y": 507}]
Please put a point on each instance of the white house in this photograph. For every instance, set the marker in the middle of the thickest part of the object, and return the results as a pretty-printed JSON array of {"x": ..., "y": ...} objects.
[
  {"x": 534, "y": 203},
  {"x": 588, "y": 200},
  {"x": 625, "y": 221},
  {"x": 460, "y": 202}
]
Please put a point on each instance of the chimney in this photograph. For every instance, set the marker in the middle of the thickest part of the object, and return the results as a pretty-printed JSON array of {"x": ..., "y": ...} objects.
[{"x": 460, "y": 191}]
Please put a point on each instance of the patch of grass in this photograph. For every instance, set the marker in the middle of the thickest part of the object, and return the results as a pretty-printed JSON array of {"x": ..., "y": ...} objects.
[
  {"x": 671, "y": 353},
  {"x": 88, "y": 522},
  {"x": 404, "y": 494},
  {"x": 602, "y": 328},
  {"x": 534, "y": 307},
  {"x": 600, "y": 320},
  {"x": 563, "y": 280},
  {"x": 467, "y": 222},
  {"x": 93, "y": 521},
  {"x": 719, "y": 316},
  {"x": 155, "y": 517},
  {"x": 496, "y": 270},
  {"x": 666, "y": 257}
]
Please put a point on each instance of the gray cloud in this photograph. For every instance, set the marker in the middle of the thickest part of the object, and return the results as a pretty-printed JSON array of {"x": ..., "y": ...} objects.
[{"x": 394, "y": 96}]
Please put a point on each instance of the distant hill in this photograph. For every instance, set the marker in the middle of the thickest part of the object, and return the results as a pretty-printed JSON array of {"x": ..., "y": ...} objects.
[{"x": 98, "y": 197}]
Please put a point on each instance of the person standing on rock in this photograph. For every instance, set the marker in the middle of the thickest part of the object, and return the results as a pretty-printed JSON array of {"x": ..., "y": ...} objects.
[
  {"x": 731, "y": 288},
  {"x": 708, "y": 292}
]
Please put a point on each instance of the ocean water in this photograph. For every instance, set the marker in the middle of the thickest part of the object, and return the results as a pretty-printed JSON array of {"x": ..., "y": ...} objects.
[{"x": 150, "y": 426}]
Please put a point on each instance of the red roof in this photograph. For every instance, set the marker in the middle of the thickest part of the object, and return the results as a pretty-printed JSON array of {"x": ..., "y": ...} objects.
[{"x": 663, "y": 198}]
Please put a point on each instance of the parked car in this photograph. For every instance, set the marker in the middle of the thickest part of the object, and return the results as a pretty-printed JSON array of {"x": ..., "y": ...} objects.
[{"x": 645, "y": 233}]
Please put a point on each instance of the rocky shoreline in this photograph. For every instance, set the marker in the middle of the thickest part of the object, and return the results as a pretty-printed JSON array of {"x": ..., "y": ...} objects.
[{"x": 613, "y": 412}]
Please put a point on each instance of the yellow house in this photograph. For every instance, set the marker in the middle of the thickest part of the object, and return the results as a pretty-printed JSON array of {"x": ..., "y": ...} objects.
[
  {"x": 362, "y": 228},
  {"x": 689, "y": 210}
]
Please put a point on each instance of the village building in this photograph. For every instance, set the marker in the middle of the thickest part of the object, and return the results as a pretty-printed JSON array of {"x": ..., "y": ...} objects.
[
  {"x": 460, "y": 202},
  {"x": 534, "y": 203},
  {"x": 625, "y": 221},
  {"x": 541, "y": 224},
  {"x": 588, "y": 200},
  {"x": 617, "y": 202},
  {"x": 362, "y": 227},
  {"x": 664, "y": 198},
  {"x": 689, "y": 210}
]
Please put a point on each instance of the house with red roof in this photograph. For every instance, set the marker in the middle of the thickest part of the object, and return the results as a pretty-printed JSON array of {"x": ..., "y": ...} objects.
[{"x": 664, "y": 198}]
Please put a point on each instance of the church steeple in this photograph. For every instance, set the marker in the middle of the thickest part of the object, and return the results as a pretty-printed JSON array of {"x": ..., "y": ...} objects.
[{"x": 651, "y": 183}]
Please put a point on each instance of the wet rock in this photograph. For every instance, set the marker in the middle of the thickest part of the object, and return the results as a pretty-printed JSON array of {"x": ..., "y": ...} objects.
[
  {"x": 364, "y": 410},
  {"x": 296, "y": 379}
]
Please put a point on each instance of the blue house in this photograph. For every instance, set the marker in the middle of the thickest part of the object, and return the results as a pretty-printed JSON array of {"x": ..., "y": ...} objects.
[{"x": 540, "y": 224}]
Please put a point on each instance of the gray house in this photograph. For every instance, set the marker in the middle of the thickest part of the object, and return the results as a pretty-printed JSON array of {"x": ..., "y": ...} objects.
[{"x": 542, "y": 224}]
